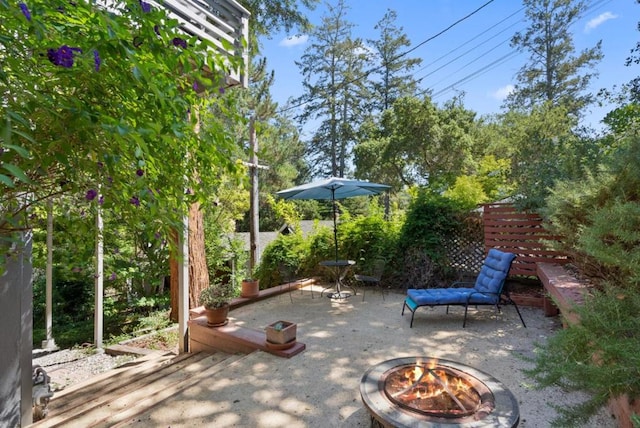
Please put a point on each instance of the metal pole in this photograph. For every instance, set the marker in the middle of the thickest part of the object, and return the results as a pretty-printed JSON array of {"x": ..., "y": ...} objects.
[
  {"x": 49, "y": 343},
  {"x": 99, "y": 285},
  {"x": 183, "y": 288}
]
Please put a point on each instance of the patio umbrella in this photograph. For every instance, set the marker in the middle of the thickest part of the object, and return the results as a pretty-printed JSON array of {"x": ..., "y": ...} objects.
[{"x": 333, "y": 188}]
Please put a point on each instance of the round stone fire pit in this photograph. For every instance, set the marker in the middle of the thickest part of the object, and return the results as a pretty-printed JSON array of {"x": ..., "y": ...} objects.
[{"x": 426, "y": 392}]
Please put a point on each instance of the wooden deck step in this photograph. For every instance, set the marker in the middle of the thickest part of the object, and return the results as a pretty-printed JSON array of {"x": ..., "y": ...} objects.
[
  {"x": 131, "y": 391},
  {"x": 233, "y": 338}
]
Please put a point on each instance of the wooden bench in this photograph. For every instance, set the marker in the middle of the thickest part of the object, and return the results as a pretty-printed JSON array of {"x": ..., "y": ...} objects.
[{"x": 563, "y": 291}]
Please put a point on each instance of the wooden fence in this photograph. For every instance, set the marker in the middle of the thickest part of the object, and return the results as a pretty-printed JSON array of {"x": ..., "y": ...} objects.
[{"x": 520, "y": 233}]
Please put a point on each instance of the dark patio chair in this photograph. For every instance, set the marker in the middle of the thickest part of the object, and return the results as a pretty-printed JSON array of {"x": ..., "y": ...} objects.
[
  {"x": 288, "y": 274},
  {"x": 372, "y": 280},
  {"x": 488, "y": 289}
]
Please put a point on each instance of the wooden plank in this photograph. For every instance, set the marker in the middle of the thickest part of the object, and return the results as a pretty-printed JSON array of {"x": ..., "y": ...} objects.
[
  {"x": 236, "y": 338},
  {"x": 566, "y": 291}
]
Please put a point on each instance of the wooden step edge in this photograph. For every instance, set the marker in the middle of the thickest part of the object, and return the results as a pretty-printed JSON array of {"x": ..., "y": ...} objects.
[
  {"x": 83, "y": 403},
  {"x": 130, "y": 367},
  {"x": 158, "y": 397}
]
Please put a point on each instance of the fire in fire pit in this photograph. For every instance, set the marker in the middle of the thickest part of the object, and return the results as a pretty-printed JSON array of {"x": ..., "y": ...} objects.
[{"x": 419, "y": 392}]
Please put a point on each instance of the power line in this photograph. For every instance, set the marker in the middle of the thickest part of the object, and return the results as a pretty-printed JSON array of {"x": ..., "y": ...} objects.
[
  {"x": 367, "y": 73},
  {"x": 470, "y": 49},
  {"x": 474, "y": 38},
  {"x": 484, "y": 69}
]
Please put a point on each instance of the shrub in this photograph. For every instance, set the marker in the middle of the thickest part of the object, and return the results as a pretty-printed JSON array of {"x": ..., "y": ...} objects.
[
  {"x": 599, "y": 355},
  {"x": 430, "y": 220},
  {"x": 285, "y": 250}
]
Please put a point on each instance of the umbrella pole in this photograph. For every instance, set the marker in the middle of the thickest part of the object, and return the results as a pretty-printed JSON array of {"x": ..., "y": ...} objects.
[{"x": 335, "y": 224}]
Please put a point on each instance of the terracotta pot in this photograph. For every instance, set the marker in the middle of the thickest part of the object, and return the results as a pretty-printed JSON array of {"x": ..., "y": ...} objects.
[
  {"x": 250, "y": 288},
  {"x": 217, "y": 317},
  {"x": 281, "y": 332}
]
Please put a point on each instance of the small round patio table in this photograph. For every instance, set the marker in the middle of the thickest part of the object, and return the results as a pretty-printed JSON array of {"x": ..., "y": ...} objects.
[{"x": 341, "y": 268}]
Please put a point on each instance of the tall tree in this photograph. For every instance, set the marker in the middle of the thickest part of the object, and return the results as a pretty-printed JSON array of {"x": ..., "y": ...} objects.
[
  {"x": 395, "y": 79},
  {"x": 553, "y": 73},
  {"x": 333, "y": 88},
  {"x": 418, "y": 143}
]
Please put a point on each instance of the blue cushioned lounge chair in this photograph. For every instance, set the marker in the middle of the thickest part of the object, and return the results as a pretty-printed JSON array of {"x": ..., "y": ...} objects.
[{"x": 487, "y": 290}]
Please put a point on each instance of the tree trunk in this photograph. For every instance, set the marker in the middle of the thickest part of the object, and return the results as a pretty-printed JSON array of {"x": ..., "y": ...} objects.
[{"x": 198, "y": 272}]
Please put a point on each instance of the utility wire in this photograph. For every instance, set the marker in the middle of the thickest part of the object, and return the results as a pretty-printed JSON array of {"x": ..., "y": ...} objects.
[
  {"x": 484, "y": 69},
  {"x": 474, "y": 38},
  {"x": 368, "y": 72}
]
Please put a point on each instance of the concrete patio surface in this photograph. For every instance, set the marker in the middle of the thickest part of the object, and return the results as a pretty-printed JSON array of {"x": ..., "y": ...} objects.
[{"x": 344, "y": 338}]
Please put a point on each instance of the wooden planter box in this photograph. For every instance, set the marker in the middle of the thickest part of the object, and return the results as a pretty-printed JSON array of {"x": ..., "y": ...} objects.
[{"x": 281, "y": 332}]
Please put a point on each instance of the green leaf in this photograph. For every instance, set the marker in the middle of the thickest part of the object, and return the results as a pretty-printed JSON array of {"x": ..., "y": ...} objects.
[
  {"x": 17, "y": 172},
  {"x": 6, "y": 180},
  {"x": 18, "y": 149}
]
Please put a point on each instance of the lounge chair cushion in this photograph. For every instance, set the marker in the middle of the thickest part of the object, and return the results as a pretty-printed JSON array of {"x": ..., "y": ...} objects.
[
  {"x": 494, "y": 271},
  {"x": 450, "y": 296}
]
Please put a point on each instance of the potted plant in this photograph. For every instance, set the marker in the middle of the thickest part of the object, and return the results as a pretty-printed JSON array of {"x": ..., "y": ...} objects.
[
  {"x": 215, "y": 299},
  {"x": 281, "y": 332},
  {"x": 250, "y": 288}
]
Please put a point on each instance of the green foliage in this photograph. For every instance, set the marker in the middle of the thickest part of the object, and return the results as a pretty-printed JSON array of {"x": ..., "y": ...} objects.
[
  {"x": 73, "y": 311},
  {"x": 429, "y": 220},
  {"x": 419, "y": 143},
  {"x": 545, "y": 152},
  {"x": 467, "y": 191},
  {"x": 286, "y": 251},
  {"x": 217, "y": 295},
  {"x": 111, "y": 128},
  {"x": 613, "y": 238},
  {"x": 598, "y": 219},
  {"x": 368, "y": 238},
  {"x": 599, "y": 355},
  {"x": 554, "y": 73}
]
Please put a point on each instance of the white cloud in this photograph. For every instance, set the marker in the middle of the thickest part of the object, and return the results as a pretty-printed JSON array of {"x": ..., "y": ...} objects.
[
  {"x": 598, "y": 20},
  {"x": 501, "y": 93},
  {"x": 294, "y": 41}
]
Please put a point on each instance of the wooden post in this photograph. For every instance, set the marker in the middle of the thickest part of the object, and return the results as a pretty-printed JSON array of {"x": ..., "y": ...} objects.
[{"x": 254, "y": 216}]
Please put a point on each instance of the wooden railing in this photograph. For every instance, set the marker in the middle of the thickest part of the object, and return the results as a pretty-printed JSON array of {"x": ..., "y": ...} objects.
[
  {"x": 521, "y": 233},
  {"x": 225, "y": 23}
]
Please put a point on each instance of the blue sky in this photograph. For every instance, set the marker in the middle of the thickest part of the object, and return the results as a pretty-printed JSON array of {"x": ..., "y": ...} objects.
[{"x": 473, "y": 56}]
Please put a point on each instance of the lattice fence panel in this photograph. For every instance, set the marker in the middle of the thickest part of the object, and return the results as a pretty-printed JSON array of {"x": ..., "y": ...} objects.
[{"x": 465, "y": 252}]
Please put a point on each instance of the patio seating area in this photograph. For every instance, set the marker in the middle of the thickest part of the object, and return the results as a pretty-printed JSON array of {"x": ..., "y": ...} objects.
[{"x": 343, "y": 338}]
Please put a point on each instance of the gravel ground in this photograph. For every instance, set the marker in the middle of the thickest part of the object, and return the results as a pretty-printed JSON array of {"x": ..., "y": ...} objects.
[
  {"x": 70, "y": 366},
  {"x": 320, "y": 386}
]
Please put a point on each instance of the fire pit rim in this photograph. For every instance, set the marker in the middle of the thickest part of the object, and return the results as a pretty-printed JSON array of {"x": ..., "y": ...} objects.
[{"x": 505, "y": 413}]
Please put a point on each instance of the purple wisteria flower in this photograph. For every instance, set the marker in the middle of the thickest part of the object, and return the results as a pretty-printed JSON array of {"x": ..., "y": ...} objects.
[
  {"x": 178, "y": 42},
  {"x": 113, "y": 276},
  {"x": 146, "y": 7},
  {"x": 91, "y": 194},
  {"x": 25, "y": 11},
  {"x": 221, "y": 90},
  {"x": 101, "y": 200},
  {"x": 96, "y": 60},
  {"x": 139, "y": 172},
  {"x": 195, "y": 86},
  {"x": 135, "y": 201},
  {"x": 63, "y": 56}
]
